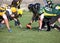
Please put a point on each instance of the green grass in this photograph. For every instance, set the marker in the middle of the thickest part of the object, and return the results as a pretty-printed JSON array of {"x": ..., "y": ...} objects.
[{"x": 23, "y": 35}]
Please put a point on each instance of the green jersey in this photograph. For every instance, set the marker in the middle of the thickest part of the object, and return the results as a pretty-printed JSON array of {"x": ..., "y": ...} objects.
[
  {"x": 40, "y": 11},
  {"x": 51, "y": 11}
]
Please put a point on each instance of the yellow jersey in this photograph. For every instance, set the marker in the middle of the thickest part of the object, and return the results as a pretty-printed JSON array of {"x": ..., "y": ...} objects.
[{"x": 2, "y": 11}]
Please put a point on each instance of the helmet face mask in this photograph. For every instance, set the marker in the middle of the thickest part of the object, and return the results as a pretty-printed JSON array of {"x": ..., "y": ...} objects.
[{"x": 37, "y": 6}]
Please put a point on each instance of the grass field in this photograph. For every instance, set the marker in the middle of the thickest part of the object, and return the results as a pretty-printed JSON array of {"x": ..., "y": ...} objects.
[{"x": 23, "y": 35}]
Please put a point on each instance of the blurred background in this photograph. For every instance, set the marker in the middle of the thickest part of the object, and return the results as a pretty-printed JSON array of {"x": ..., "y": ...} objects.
[{"x": 25, "y": 3}]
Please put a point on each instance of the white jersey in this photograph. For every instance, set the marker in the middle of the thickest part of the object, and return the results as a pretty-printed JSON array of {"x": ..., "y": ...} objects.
[{"x": 9, "y": 10}]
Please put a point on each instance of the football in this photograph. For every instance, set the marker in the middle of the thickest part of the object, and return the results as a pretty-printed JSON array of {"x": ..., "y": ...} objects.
[{"x": 28, "y": 26}]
